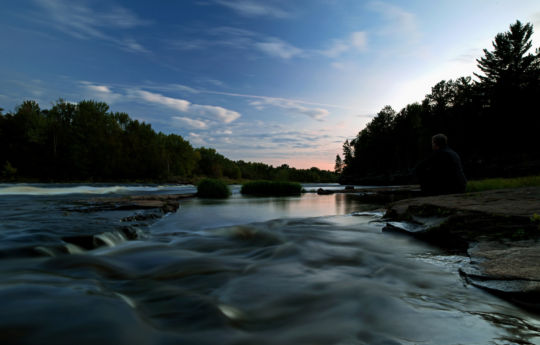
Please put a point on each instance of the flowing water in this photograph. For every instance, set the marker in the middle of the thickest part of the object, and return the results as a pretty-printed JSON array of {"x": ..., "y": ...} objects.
[{"x": 313, "y": 269}]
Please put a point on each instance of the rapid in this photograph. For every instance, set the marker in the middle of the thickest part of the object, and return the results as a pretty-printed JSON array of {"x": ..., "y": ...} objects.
[{"x": 311, "y": 269}]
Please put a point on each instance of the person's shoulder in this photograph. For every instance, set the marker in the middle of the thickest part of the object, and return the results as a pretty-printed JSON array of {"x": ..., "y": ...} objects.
[{"x": 448, "y": 151}]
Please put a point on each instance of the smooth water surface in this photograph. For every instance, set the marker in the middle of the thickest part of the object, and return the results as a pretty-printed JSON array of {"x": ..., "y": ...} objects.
[{"x": 313, "y": 269}]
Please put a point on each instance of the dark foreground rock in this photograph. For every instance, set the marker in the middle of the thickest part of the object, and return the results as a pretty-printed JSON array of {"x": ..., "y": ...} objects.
[{"x": 499, "y": 230}]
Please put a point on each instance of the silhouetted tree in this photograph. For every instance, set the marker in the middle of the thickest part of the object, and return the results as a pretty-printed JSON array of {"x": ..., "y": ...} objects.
[
  {"x": 492, "y": 123},
  {"x": 338, "y": 167},
  {"x": 509, "y": 65}
]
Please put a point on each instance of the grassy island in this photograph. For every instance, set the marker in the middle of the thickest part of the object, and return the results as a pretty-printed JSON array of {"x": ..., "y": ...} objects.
[
  {"x": 212, "y": 188},
  {"x": 271, "y": 188}
]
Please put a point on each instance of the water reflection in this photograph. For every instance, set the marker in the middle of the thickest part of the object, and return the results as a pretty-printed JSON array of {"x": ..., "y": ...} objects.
[{"x": 197, "y": 214}]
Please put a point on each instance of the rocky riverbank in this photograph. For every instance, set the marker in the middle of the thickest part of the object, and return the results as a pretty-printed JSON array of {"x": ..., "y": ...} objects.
[{"x": 498, "y": 230}]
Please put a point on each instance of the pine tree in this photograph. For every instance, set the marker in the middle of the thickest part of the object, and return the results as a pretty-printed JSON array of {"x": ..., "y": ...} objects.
[
  {"x": 509, "y": 64},
  {"x": 339, "y": 165}
]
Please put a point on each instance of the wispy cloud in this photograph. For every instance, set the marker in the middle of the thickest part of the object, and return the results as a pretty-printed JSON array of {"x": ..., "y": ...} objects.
[
  {"x": 240, "y": 39},
  {"x": 196, "y": 139},
  {"x": 170, "y": 102},
  {"x": 198, "y": 116},
  {"x": 83, "y": 22},
  {"x": 264, "y": 99},
  {"x": 278, "y": 48},
  {"x": 170, "y": 88},
  {"x": 356, "y": 41},
  {"x": 314, "y": 113},
  {"x": 185, "y": 122},
  {"x": 99, "y": 88},
  {"x": 398, "y": 21},
  {"x": 359, "y": 40},
  {"x": 224, "y": 132},
  {"x": 211, "y": 112},
  {"x": 337, "y": 48},
  {"x": 100, "y": 92},
  {"x": 253, "y": 8}
]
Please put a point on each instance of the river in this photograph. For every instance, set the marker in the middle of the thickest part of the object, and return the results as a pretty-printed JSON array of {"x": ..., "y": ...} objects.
[{"x": 312, "y": 269}]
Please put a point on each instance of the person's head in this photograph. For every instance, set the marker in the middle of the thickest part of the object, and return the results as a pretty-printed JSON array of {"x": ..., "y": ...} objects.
[{"x": 439, "y": 141}]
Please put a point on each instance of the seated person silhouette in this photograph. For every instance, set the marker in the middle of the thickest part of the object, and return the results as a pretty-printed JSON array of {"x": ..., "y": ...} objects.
[{"x": 441, "y": 172}]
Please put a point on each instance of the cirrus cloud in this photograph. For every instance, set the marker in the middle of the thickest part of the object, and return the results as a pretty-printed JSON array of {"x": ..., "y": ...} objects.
[
  {"x": 211, "y": 112},
  {"x": 278, "y": 48},
  {"x": 252, "y": 8},
  {"x": 189, "y": 123},
  {"x": 84, "y": 22},
  {"x": 291, "y": 105}
]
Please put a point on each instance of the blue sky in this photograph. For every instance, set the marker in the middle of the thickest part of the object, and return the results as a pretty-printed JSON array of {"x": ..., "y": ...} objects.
[{"x": 275, "y": 81}]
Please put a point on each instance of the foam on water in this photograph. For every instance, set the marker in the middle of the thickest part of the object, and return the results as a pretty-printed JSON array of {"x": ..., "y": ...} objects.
[{"x": 84, "y": 189}]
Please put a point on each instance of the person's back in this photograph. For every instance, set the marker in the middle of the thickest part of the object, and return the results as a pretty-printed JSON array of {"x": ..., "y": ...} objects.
[{"x": 442, "y": 172}]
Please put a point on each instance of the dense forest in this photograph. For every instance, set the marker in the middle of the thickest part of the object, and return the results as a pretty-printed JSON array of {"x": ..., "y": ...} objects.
[
  {"x": 87, "y": 142},
  {"x": 493, "y": 122}
]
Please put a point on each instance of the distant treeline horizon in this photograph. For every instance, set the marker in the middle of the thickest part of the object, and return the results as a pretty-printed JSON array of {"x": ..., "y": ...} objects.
[
  {"x": 87, "y": 142},
  {"x": 493, "y": 123}
]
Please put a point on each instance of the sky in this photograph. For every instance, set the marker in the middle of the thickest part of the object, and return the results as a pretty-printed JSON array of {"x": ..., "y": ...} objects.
[{"x": 273, "y": 81}]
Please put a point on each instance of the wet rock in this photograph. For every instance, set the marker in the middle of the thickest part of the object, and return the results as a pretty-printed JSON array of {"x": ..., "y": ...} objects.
[
  {"x": 496, "y": 229},
  {"x": 521, "y": 202},
  {"x": 166, "y": 202},
  {"x": 378, "y": 195},
  {"x": 89, "y": 242},
  {"x": 321, "y": 191},
  {"x": 492, "y": 215},
  {"x": 140, "y": 217},
  {"x": 385, "y": 195},
  {"x": 508, "y": 269}
]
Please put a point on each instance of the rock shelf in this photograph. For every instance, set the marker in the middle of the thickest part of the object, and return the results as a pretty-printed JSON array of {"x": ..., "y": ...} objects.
[{"x": 499, "y": 230}]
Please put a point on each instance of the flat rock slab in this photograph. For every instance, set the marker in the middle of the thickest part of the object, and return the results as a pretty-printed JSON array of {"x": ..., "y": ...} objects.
[
  {"x": 510, "y": 270},
  {"x": 497, "y": 229},
  {"x": 522, "y": 202},
  {"x": 511, "y": 260}
]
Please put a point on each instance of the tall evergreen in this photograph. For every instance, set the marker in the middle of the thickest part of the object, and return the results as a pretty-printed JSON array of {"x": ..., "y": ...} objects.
[{"x": 511, "y": 63}]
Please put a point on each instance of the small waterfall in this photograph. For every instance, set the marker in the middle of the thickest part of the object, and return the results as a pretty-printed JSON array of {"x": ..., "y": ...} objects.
[{"x": 110, "y": 239}]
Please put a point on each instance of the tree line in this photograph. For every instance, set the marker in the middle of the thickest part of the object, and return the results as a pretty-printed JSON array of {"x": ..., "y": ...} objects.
[
  {"x": 493, "y": 122},
  {"x": 87, "y": 142}
]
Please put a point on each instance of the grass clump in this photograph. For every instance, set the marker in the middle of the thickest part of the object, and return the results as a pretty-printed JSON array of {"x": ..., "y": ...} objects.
[
  {"x": 502, "y": 183},
  {"x": 271, "y": 188},
  {"x": 211, "y": 188}
]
